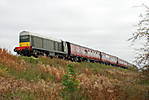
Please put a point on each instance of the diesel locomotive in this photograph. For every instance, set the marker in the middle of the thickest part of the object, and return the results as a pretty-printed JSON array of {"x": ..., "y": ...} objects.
[{"x": 32, "y": 44}]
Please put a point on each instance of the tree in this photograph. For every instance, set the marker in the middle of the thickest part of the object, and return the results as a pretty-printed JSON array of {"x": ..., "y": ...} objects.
[{"x": 142, "y": 32}]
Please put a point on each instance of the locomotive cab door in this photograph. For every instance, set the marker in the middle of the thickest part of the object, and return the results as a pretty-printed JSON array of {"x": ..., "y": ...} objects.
[{"x": 65, "y": 47}]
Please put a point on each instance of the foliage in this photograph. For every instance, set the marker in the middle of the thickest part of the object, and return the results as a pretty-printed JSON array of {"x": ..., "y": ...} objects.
[
  {"x": 144, "y": 79},
  {"x": 133, "y": 68},
  {"x": 145, "y": 71},
  {"x": 70, "y": 84},
  {"x": 132, "y": 92},
  {"x": 45, "y": 79},
  {"x": 142, "y": 32},
  {"x": 69, "y": 80}
]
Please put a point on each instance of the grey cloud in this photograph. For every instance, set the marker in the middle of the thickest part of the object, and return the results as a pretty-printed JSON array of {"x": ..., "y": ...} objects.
[{"x": 99, "y": 24}]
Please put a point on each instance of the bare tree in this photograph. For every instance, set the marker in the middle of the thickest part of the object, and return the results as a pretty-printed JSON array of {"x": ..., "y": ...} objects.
[{"x": 142, "y": 32}]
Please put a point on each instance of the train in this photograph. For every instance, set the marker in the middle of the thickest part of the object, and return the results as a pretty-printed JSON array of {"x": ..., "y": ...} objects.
[{"x": 33, "y": 44}]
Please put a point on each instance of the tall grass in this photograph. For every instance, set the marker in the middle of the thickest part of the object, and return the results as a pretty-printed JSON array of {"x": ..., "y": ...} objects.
[{"x": 29, "y": 78}]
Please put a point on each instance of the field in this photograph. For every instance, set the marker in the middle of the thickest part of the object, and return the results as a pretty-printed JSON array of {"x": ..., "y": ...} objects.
[{"x": 29, "y": 78}]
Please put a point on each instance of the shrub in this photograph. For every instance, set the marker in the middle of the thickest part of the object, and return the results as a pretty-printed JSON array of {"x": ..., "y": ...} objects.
[{"x": 70, "y": 84}]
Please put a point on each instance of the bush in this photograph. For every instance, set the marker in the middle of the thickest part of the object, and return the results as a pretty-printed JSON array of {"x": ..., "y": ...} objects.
[{"x": 70, "y": 84}]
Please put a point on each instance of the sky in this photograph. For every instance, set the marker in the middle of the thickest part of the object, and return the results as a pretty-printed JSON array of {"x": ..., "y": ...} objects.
[{"x": 103, "y": 25}]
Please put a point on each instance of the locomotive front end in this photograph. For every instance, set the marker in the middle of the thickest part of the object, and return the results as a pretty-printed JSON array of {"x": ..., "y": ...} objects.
[{"x": 25, "y": 47}]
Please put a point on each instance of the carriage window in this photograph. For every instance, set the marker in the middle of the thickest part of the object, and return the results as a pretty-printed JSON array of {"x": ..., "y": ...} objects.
[
  {"x": 85, "y": 51},
  {"x": 24, "y": 38}
]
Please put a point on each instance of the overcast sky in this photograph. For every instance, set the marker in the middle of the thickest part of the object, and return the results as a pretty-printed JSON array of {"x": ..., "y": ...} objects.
[{"x": 103, "y": 25}]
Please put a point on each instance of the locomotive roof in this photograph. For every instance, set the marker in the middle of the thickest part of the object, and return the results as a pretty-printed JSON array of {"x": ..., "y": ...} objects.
[{"x": 38, "y": 35}]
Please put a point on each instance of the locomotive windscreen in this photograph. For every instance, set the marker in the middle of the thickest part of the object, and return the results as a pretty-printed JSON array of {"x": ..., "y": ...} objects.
[{"x": 24, "y": 38}]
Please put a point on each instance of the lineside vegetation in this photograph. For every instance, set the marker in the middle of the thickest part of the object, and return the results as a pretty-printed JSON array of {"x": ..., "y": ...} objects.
[{"x": 29, "y": 78}]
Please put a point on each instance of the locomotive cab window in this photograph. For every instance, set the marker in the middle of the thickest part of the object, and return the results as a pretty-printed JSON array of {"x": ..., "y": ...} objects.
[{"x": 24, "y": 38}]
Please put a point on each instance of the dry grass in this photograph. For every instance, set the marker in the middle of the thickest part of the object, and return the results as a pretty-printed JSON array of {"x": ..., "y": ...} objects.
[
  {"x": 10, "y": 60},
  {"x": 28, "y": 78},
  {"x": 58, "y": 73},
  {"x": 9, "y": 88}
]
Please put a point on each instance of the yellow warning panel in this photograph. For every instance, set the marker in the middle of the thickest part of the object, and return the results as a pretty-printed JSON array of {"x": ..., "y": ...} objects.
[{"x": 22, "y": 44}]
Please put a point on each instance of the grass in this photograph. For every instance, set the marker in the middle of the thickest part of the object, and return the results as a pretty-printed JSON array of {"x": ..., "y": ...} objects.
[
  {"x": 30, "y": 60},
  {"x": 19, "y": 95},
  {"x": 29, "y": 78},
  {"x": 3, "y": 71},
  {"x": 32, "y": 73},
  {"x": 143, "y": 81}
]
